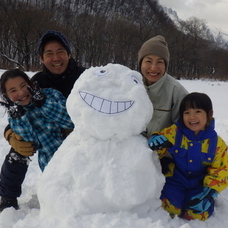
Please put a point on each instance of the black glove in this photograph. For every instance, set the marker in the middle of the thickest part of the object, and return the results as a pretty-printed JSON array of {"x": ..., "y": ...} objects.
[
  {"x": 15, "y": 110},
  {"x": 38, "y": 98},
  {"x": 66, "y": 132}
]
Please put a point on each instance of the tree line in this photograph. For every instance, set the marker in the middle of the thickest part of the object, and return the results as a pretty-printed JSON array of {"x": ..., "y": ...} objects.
[{"x": 107, "y": 31}]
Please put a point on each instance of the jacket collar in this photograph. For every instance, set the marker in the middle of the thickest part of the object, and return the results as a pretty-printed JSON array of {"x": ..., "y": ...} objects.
[{"x": 158, "y": 84}]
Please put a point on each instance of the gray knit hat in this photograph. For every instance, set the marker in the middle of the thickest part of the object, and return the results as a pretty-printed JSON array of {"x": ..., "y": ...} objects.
[{"x": 157, "y": 46}]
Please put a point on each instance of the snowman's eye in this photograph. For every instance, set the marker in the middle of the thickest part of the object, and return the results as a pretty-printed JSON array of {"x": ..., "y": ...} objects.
[
  {"x": 136, "y": 80},
  {"x": 101, "y": 72}
]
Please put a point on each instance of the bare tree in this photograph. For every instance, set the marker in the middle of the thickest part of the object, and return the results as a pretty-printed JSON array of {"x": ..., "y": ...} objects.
[
  {"x": 108, "y": 31},
  {"x": 20, "y": 31}
]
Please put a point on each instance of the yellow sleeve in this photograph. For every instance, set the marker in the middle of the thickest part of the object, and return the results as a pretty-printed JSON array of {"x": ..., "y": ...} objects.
[
  {"x": 217, "y": 177},
  {"x": 170, "y": 134}
]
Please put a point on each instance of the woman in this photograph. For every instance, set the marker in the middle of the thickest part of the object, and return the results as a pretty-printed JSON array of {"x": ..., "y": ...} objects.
[{"x": 165, "y": 92}]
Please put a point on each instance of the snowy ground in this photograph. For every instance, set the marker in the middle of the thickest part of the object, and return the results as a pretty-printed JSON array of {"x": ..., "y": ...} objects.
[{"x": 149, "y": 215}]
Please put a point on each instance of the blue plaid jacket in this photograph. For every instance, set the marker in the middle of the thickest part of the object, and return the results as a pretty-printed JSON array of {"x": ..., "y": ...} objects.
[{"x": 43, "y": 125}]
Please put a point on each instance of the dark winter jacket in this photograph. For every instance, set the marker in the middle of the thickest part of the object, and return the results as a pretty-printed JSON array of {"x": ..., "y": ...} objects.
[{"x": 61, "y": 82}]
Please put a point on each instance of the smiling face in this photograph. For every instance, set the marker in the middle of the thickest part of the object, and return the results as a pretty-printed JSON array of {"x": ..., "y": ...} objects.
[
  {"x": 16, "y": 90},
  {"x": 55, "y": 57},
  {"x": 153, "y": 68},
  {"x": 195, "y": 119}
]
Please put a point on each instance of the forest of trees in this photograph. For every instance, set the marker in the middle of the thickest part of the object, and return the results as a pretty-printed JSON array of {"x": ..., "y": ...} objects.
[{"x": 107, "y": 31}]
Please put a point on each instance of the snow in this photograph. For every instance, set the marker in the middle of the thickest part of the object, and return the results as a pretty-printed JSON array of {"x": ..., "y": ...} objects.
[{"x": 99, "y": 177}]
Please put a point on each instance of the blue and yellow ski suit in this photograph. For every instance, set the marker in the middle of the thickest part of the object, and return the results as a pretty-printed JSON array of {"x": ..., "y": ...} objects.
[{"x": 197, "y": 161}]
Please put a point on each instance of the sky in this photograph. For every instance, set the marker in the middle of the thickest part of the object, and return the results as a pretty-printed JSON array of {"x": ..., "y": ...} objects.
[
  {"x": 104, "y": 175},
  {"x": 214, "y": 12}
]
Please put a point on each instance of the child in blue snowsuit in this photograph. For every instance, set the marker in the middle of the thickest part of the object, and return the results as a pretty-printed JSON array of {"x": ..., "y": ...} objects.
[
  {"x": 37, "y": 116},
  {"x": 198, "y": 167}
]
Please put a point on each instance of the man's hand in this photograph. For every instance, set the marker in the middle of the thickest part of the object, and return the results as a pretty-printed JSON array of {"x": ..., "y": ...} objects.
[
  {"x": 66, "y": 132},
  {"x": 24, "y": 148}
]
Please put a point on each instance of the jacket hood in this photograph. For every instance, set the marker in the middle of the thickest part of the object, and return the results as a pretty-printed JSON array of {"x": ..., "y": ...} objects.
[{"x": 202, "y": 135}]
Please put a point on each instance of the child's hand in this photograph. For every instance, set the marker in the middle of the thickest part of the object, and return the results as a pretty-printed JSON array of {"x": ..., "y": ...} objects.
[
  {"x": 15, "y": 110},
  {"x": 203, "y": 200},
  {"x": 22, "y": 147},
  {"x": 38, "y": 98},
  {"x": 156, "y": 142}
]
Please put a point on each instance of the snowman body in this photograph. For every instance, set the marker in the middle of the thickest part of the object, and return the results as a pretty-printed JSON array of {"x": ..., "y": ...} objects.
[{"x": 105, "y": 164}]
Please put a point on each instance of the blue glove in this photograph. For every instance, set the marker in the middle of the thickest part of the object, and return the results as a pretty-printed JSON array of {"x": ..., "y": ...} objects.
[
  {"x": 156, "y": 142},
  {"x": 203, "y": 200}
]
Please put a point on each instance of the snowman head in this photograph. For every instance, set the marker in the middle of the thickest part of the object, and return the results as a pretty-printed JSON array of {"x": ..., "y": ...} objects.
[{"x": 109, "y": 101}]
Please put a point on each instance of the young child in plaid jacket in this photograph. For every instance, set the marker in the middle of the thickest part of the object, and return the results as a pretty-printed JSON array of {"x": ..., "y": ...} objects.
[{"x": 36, "y": 116}]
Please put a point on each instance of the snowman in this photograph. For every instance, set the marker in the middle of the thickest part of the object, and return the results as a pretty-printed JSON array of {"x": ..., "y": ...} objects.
[{"x": 105, "y": 164}]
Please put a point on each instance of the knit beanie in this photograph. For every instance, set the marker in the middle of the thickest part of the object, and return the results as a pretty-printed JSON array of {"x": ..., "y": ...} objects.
[
  {"x": 52, "y": 35},
  {"x": 157, "y": 46}
]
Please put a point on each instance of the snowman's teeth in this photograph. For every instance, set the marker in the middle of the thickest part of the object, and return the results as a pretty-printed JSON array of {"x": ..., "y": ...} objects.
[{"x": 104, "y": 105}]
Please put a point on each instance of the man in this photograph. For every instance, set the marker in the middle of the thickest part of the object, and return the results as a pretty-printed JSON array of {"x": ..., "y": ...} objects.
[{"x": 60, "y": 72}]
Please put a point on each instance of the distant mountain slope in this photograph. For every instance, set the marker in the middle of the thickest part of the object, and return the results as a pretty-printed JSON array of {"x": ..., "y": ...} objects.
[{"x": 214, "y": 34}]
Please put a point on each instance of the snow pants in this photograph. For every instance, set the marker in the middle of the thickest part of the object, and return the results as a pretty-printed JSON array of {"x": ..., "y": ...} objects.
[
  {"x": 178, "y": 191},
  {"x": 12, "y": 174}
]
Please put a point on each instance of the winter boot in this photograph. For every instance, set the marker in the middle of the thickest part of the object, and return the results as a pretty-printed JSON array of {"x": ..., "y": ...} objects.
[{"x": 8, "y": 202}]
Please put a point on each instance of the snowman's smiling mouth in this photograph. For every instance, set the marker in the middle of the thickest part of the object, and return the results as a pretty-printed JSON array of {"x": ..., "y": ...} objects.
[{"x": 105, "y": 106}]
